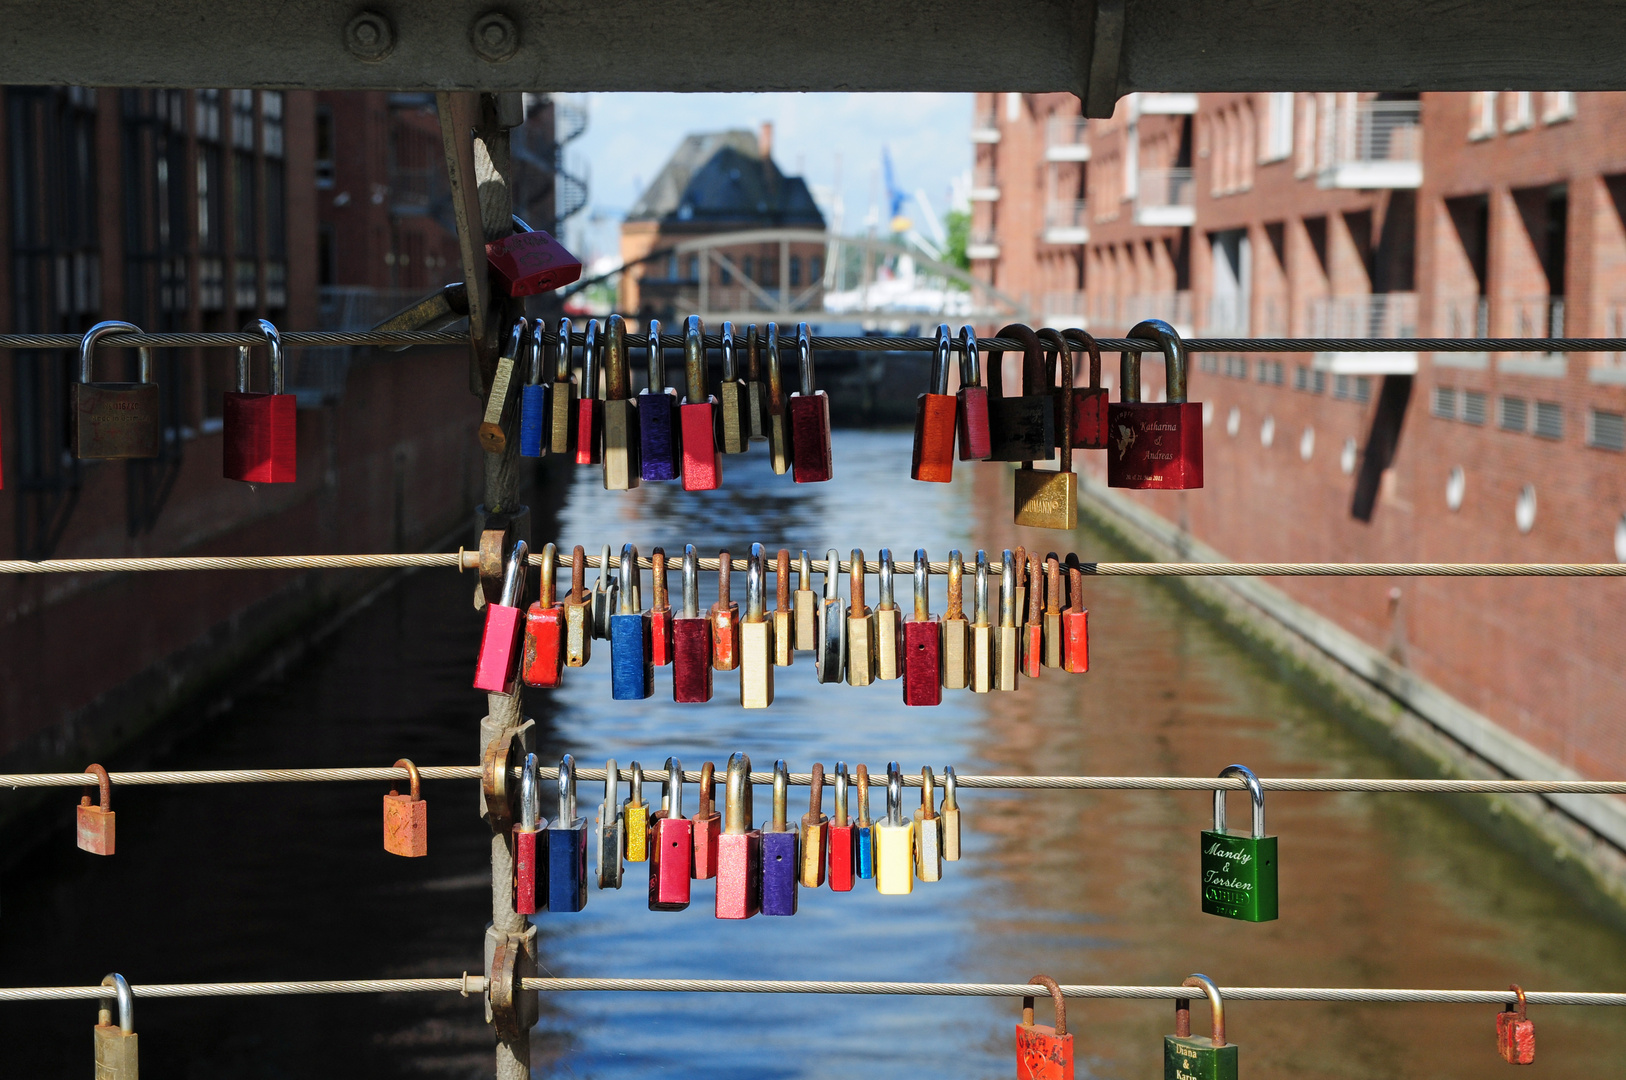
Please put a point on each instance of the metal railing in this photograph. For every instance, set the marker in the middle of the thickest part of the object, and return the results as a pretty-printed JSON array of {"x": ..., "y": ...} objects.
[
  {"x": 1172, "y": 307},
  {"x": 1463, "y": 316},
  {"x": 1066, "y": 214},
  {"x": 1227, "y": 316},
  {"x": 1164, "y": 189},
  {"x": 1536, "y": 317},
  {"x": 1069, "y": 307},
  {"x": 1374, "y": 315},
  {"x": 1371, "y": 131},
  {"x": 1066, "y": 138},
  {"x": 985, "y": 128}
]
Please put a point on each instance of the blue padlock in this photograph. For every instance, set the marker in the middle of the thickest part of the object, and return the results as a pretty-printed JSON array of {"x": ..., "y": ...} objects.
[
  {"x": 567, "y": 847},
  {"x": 632, "y": 668},
  {"x": 864, "y": 829},
  {"x": 657, "y": 417},
  {"x": 781, "y": 865},
  {"x": 535, "y": 417}
]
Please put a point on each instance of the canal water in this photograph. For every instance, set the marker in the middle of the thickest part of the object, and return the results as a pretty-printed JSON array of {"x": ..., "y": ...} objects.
[{"x": 289, "y": 881}]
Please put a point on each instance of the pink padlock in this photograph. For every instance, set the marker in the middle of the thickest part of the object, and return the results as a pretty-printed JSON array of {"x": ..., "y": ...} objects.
[{"x": 497, "y": 669}]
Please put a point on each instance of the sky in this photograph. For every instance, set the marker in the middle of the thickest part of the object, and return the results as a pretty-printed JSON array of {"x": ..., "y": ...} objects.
[{"x": 833, "y": 141}]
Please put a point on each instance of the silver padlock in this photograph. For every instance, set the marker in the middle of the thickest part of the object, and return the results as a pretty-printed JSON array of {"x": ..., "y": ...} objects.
[
  {"x": 606, "y": 597},
  {"x": 928, "y": 831},
  {"x": 610, "y": 831}
]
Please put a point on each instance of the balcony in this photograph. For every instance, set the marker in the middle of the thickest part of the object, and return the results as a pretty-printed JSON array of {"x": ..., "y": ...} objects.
[
  {"x": 1167, "y": 197},
  {"x": 1065, "y": 139},
  {"x": 1372, "y": 144},
  {"x": 1065, "y": 222},
  {"x": 1534, "y": 317},
  {"x": 1375, "y": 315},
  {"x": 984, "y": 185},
  {"x": 985, "y": 128},
  {"x": 1167, "y": 104},
  {"x": 984, "y": 244},
  {"x": 1227, "y": 316},
  {"x": 1062, "y": 310}
]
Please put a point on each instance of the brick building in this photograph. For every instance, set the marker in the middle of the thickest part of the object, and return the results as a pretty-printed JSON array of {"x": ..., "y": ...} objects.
[{"x": 1357, "y": 216}]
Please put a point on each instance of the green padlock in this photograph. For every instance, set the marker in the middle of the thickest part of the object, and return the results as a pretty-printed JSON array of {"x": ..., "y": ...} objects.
[
  {"x": 1194, "y": 1058},
  {"x": 1239, "y": 872}
]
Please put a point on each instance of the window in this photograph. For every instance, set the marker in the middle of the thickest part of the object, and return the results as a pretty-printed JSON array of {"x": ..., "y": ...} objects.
[
  {"x": 1473, "y": 407},
  {"x": 1304, "y": 163},
  {"x": 723, "y": 275},
  {"x": 1235, "y": 366},
  {"x": 1606, "y": 430},
  {"x": 1271, "y": 372},
  {"x": 324, "y": 147},
  {"x": 1301, "y": 377},
  {"x": 795, "y": 269},
  {"x": 815, "y": 268},
  {"x": 1549, "y": 420},
  {"x": 1277, "y": 145},
  {"x": 694, "y": 268},
  {"x": 271, "y": 122},
  {"x": 1558, "y": 107},
  {"x": 1482, "y": 122},
  {"x": 1311, "y": 380},
  {"x": 1512, "y": 413},
  {"x": 1444, "y": 404},
  {"x": 1520, "y": 111},
  {"x": 1210, "y": 363},
  {"x": 242, "y": 119},
  {"x": 749, "y": 269},
  {"x": 1356, "y": 388}
]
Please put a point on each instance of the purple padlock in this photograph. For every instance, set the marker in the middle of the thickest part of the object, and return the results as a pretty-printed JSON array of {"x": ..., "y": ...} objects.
[
  {"x": 657, "y": 417},
  {"x": 779, "y": 862}
]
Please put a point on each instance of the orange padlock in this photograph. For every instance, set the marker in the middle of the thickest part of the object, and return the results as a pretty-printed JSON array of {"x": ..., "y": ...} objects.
[
  {"x": 935, "y": 416},
  {"x": 1044, "y": 1052},
  {"x": 1075, "y": 622},
  {"x": 96, "y": 822},
  {"x": 1516, "y": 1032},
  {"x": 406, "y": 818}
]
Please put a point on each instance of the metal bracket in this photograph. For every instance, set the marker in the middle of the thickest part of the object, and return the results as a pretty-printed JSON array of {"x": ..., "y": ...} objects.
[
  {"x": 510, "y": 958},
  {"x": 503, "y": 755},
  {"x": 1106, "y": 56},
  {"x": 458, "y": 113},
  {"x": 497, "y": 535}
]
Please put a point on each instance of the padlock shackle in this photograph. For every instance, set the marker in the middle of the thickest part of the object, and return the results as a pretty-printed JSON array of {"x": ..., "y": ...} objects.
[
  {"x": 513, "y": 577},
  {"x": 1084, "y": 340},
  {"x": 855, "y": 584},
  {"x": 655, "y": 359},
  {"x": 1518, "y": 992},
  {"x": 923, "y": 595},
  {"x": 776, "y": 384},
  {"x": 672, "y": 789},
  {"x": 841, "y": 785},
  {"x": 1032, "y": 361},
  {"x": 928, "y": 792},
  {"x": 883, "y": 574},
  {"x": 894, "y": 794},
  {"x": 561, "y": 353},
  {"x": 804, "y": 358},
  {"x": 1055, "y": 998},
  {"x": 87, "y": 346},
  {"x": 511, "y": 352},
  {"x": 979, "y": 591},
  {"x": 1007, "y": 590},
  {"x": 691, "y": 583},
  {"x": 731, "y": 366},
  {"x": 631, "y": 601},
  {"x": 832, "y": 575},
  {"x": 1052, "y": 585},
  {"x": 753, "y": 354},
  {"x": 951, "y": 799},
  {"x": 1035, "y": 587},
  {"x": 591, "y": 346},
  {"x": 617, "y": 365},
  {"x": 737, "y": 805},
  {"x": 755, "y": 585},
  {"x": 861, "y": 779},
  {"x": 612, "y": 786},
  {"x": 1174, "y": 362},
  {"x": 1217, "y": 1038},
  {"x": 725, "y": 577},
  {"x": 1064, "y": 398},
  {"x": 781, "y": 796},
  {"x": 707, "y": 796},
  {"x": 956, "y": 586},
  {"x": 1075, "y": 588},
  {"x": 530, "y": 794},
  {"x": 970, "y": 365},
  {"x": 539, "y": 345},
  {"x": 635, "y": 784},
  {"x": 940, "y": 360},
  {"x": 549, "y": 576},
  {"x": 658, "y": 600},
  {"x": 1255, "y": 791},
  {"x": 694, "y": 361},
  {"x": 567, "y": 790},
  {"x": 578, "y": 575},
  {"x": 274, "y": 341},
  {"x": 781, "y": 580},
  {"x": 804, "y": 572},
  {"x": 126, "y": 999},
  {"x": 104, "y": 786},
  {"x": 413, "y": 778},
  {"x": 815, "y": 790},
  {"x": 602, "y": 582}
]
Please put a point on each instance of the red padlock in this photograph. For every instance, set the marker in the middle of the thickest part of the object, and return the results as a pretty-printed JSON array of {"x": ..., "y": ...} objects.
[
  {"x": 809, "y": 420},
  {"x": 922, "y": 644},
  {"x": 1075, "y": 622},
  {"x": 973, "y": 399},
  {"x": 531, "y": 262},
  {"x": 660, "y": 612},
  {"x": 1516, "y": 1032},
  {"x": 708, "y": 826},
  {"x": 1044, "y": 1052},
  {"x": 528, "y": 836},
  {"x": 95, "y": 823},
  {"x": 935, "y": 413},
  {"x": 257, "y": 431},
  {"x": 1155, "y": 446},
  {"x": 1089, "y": 415},
  {"x": 544, "y": 663},
  {"x": 671, "y": 846},
  {"x": 406, "y": 817},
  {"x": 1032, "y": 657},
  {"x": 725, "y": 620},
  {"x": 590, "y": 405},
  {"x": 697, "y": 416},
  {"x": 691, "y": 639},
  {"x": 497, "y": 667},
  {"x": 843, "y": 838}
]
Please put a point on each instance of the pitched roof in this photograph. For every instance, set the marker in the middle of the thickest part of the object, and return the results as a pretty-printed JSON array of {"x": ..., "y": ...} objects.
[{"x": 722, "y": 177}]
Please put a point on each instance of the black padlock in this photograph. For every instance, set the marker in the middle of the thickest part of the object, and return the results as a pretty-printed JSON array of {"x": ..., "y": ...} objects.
[{"x": 1021, "y": 428}]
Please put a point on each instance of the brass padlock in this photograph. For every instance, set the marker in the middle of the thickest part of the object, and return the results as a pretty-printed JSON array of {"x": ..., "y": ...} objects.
[
  {"x": 756, "y": 660},
  {"x": 116, "y": 1045},
  {"x": 982, "y": 631},
  {"x": 956, "y": 630},
  {"x": 805, "y": 607},
  {"x": 621, "y": 465},
  {"x": 784, "y": 619},
  {"x": 888, "y": 625},
  {"x": 1007, "y": 640},
  {"x": 775, "y": 421},
  {"x": 1046, "y": 499},
  {"x": 860, "y": 627},
  {"x": 1052, "y": 633},
  {"x": 114, "y": 419},
  {"x": 733, "y": 428},
  {"x": 756, "y": 392},
  {"x": 406, "y": 817},
  {"x": 500, "y": 398}
]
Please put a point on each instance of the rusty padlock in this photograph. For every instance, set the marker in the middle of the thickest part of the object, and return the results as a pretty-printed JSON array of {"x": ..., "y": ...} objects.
[
  {"x": 1044, "y": 1052},
  {"x": 406, "y": 817},
  {"x": 1089, "y": 405},
  {"x": 1516, "y": 1032},
  {"x": 95, "y": 824}
]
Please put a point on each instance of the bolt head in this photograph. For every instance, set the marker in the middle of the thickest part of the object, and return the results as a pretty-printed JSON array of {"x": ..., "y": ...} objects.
[
  {"x": 495, "y": 37},
  {"x": 369, "y": 37}
]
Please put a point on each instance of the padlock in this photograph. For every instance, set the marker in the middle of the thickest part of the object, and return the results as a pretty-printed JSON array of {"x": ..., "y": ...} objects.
[
  {"x": 1192, "y": 1057},
  {"x": 609, "y": 832},
  {"x": 1044, "y": 1052},
  {"x": 530, "y": 872},
  {"x": 1032, "y": 640},
  {"x": 1021, "y": 595},
  {"x": 982, "y": 632},
  {"x": 117, "y": 1047},
  {"x": 660, "y": 612},
  {"x": 1052, "y": 640},
  {"x": 632, "y": 671},
  {"x": 406, "y": 817},
  {"x": 733, "y": 430},
  {"x": 843, "y": 840},
  {"x": 697, "y": 416},
  {"x": 1075, "y": 622},
  {"x": 780, "y": 866},
  {"x": 1155, "y": 446},
  {"x": 116, "y": 419},
  {"x": 725, "y": 619},
  {"x": 973, "y": 402},
  {"x": 1516, "y": 1032},
  {"x": 1239, "y": 872},
  {"x": 257, "y": 431},
  {"x": 894, "y": 841},
  {"x": 708, "y": 825},
  {"x": 658, "y": 456},
  {"x": 756, "y": 391},
  {"x": 567, "y": 847},
  {"x": 562, "y": 399},
  {"x": 923, "y": 643},
  {"x": 860, "y": 643},
  {"x": 691, "y": 639},
  {"x": 94, "y": 824},
  {"x": 530, "y": 262},
  {"x": 774, "y": 419},
  {"x": 806, "y": 607},
  {"x": 809, "y": 420},
  {"x": 928, "y": 826},
  {"x": 497, "y": 668},
  {"x": 888, "y": 623},
  {"x": 864, "y": 828},
  {"x": 606, "y": 596},
  {"x": 956, "y": 629},
  {"x": 621, "y": 432},
  {"x": 951, "y": 815},
  {"x": 1046, "y": 498},
  {"x": 671, "y": 846},
  {"x": 935, "y": 413},
  {"x": 535, "y": 413},
  {"x": 578, "y": 609},
  {"x": 590, "y": 402},
  {"x": 1021, "y": 427},
  {"x": 499, "y": 413},
  {"x": 1089, "y": 413},
  {"x": 739, "y": 848},
  {"x": 784, "y": 618},
  {"x": 635, "y": 815},
  {"x": 830, "y": 646},
  {"x": 1007, "y": 638},
  {"x": 544, "y": 662},
  {"x": 815, "y": 839},
  {"x": 755, "y": 634}
]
